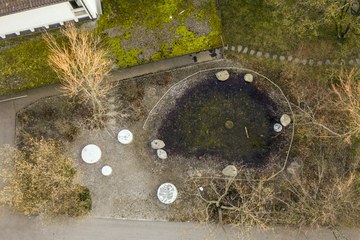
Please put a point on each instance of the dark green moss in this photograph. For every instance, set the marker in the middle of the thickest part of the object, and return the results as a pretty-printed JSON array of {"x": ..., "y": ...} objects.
[{"x": 196, "y": 126}]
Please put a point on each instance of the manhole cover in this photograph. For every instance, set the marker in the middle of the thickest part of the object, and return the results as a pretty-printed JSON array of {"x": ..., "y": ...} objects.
[{"x": 167, "y": 193}]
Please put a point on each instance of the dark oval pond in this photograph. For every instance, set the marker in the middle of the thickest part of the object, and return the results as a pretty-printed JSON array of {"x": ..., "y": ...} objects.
[{"x": 232, "y": 120}]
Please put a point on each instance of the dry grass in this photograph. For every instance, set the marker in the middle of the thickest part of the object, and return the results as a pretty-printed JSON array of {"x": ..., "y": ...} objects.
[
  {"x": 39, "y": 180},
  {"x": 348, "y": 93}
]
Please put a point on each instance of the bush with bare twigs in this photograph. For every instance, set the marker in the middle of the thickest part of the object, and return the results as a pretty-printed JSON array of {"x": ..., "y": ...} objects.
[
  {"x": 319, "y": 195},
  {"x": 82, "y": 66},
  {"x": 39, "y": 180}
]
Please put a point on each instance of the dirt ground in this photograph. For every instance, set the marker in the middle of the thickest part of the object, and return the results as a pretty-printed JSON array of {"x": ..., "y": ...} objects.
[{"x": 138, "y": 105}]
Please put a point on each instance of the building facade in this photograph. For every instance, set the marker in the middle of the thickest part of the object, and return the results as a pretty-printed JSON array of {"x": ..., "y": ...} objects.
[{"x": 25, "y": 16}]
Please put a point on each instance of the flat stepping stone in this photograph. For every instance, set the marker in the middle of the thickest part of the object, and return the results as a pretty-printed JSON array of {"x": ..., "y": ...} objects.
[
  {"x": 230, "y": 171},
  {"x": 222, "y": 75},
  {"x": 167, "y": 193},
  {"x": 161, "y": 154},
  {"x": 245, "y": 50},
  {"x": 285, "y": 120},
  {"x": 239, "y": 48},
  {"x": 106, "y": 170},
  {"x": 125, "y": 136},
  {"x": 249, "y": 78},
  {"x": 277, "y": 127},
  {"x": 252, "y": 52},
  {"x": 91, "y": 153},
  {"x": 157, "y": 144}
]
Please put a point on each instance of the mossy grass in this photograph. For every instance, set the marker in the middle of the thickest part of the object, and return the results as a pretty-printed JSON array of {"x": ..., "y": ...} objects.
[
  {"x": 24, "y": 64},
  {"x": 130, "y": 15},
  {"x": 254, "y": 24}
]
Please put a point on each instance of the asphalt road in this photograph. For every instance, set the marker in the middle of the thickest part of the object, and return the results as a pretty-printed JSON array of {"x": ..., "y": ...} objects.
[{"x": 14, "y": 226}]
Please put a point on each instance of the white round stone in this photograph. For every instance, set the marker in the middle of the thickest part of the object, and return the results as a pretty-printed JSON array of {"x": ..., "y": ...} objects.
[
  {"x": 125, "y": 136},
  {"x": 167, "y": 193},
  {"x": 91, "y": 153},
  {"x": 106, "y": 170},
  {"x": 157, "y": 144},
  {"x": 249, "y": 78},
  {"x": 285, "y": 120},
  {"x": 277, "y": 127},
  {"x": 222, "y": 75},
  {"x": 161, "y": 154}
]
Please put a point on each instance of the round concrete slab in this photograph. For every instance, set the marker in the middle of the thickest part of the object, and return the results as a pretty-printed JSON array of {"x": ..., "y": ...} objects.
[
  {"x": 125, "y": 136},
  {"x": 167, "y": 193},
  {"x": 91, "y": 153},
  {"x": 106, "y": 170}
]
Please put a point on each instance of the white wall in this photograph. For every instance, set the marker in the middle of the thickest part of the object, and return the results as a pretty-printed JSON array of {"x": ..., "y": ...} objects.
[
  {"x": 36, "y": 18},
  {"x": 93, "y": 6}
]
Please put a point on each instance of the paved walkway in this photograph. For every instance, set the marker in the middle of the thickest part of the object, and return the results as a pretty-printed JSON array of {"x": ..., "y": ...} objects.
[
  {"x": 14, "y": 226},
  {"x": 8, "y": 108}
]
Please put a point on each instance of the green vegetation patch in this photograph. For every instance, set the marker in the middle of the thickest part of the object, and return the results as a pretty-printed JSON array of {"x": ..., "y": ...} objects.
[
  {"x": 306, "y": 29},
  {"x": 137, "y": 32},
  {"x": 24, "y": 65}
]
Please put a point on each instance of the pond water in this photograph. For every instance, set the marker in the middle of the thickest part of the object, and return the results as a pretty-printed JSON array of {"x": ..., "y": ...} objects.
[{"x": 231, "y": 119}]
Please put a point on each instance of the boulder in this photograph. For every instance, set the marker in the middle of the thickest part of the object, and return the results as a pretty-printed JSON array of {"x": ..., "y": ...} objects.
[
  {"x": 161, "y": 154},
  {"x": 157, "y": 144},
  {"x": 230, "y": 171},
  {"x": 285, "y": 120},
  {"x": 277, "y": 127},
  {"x": 222, "y": 75},
  {"x": 249, "y": 78}
]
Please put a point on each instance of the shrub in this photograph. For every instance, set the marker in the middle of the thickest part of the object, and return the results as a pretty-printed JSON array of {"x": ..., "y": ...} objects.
[{"x": 39, "y": 181}]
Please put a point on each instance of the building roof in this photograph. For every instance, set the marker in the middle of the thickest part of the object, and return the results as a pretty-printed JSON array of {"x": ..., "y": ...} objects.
[{"x": 8, "y": 7}]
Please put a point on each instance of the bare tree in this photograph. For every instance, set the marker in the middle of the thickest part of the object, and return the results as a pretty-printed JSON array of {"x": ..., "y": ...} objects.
[{"x": 82, "y": 66}]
